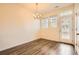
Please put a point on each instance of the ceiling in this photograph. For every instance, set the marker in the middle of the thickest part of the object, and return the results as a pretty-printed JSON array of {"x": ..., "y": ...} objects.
[{"x": 44, "y": 7}]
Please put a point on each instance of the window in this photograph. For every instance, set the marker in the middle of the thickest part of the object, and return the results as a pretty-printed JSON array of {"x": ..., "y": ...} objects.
[
  {"x": 77, "y": 24},
  {"x": 44, "y": 23},
  {"x": 66, "y": 13},
  {"x": 77, "y": 27},
  {"x": 53, "y": 21}
]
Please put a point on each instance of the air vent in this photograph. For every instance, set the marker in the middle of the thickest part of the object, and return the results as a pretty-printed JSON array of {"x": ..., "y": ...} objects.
[{"x": 56, "y": 6}]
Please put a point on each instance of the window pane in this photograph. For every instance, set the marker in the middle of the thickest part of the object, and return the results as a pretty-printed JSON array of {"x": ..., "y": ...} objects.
[
  {"x": 66, "y": 13},
  {"x": 77, "y": 27},
  {"x": 77, "y": 24},
  {"x": 66, "y": 27},
  {"x": 44, "y": 23},
  {"x": 53, "y": 21},
  {"x": 78, "y": 37}
]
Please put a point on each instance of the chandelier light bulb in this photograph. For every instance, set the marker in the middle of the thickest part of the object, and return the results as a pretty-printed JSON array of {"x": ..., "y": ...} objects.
[{"x": 36, "y": 15}]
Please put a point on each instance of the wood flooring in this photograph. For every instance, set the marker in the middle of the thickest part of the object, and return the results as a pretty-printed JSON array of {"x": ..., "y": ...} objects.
[{"x": 41, "y": 47}]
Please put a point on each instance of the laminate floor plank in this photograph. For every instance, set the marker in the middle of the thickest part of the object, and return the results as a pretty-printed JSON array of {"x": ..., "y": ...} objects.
[
  {"x": 8, "y": 51},
  {"x": 28, "y": 47},
  {"x": 41, "y": 47}
]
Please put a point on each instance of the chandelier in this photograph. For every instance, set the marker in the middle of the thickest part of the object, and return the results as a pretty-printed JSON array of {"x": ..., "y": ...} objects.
[{"x": 36, "y": 14}]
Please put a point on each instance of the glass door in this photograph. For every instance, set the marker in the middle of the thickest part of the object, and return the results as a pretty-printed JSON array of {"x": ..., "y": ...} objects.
[{"x": 66, "y": 26}]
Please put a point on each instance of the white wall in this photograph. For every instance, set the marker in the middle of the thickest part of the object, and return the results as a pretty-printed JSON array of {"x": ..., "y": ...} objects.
[{"x": 17, "y": 26}]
